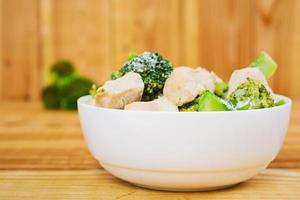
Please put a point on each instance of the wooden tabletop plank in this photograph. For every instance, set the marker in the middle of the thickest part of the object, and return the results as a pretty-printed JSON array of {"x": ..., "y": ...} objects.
[
  {"x": 98, "y": 184},
  {"x": 34, "y": 138}
]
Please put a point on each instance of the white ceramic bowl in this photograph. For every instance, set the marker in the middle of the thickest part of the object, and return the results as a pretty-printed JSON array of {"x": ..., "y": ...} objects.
[{"x": 184, "y": 151}]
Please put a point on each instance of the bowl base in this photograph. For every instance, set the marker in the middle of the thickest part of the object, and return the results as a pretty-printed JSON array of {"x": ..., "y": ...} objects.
[
  {"x": 205, "y": 189},
  {"x": 183, "y": 180}
]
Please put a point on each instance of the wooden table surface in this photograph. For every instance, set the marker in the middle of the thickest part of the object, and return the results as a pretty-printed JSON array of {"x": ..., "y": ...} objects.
[{"x": 43, "y": 156}]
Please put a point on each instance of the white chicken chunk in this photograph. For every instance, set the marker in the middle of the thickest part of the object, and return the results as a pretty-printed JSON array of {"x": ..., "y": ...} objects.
[
  {"x": 184, "y": 84},
  {"x": 240, "y": 76},
  {"x": 160, "y": 104},
  {"x": 120, "y": 92},
  {"x": 206, "y": 78}
]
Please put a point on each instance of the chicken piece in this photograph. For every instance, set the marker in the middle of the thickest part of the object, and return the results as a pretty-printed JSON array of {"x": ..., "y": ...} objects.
[
  {"x": 240, "y": 76},
  {"x": 184, "y": 84},
  {"x": 206, "y": 78},
  {"x": 160, "y": 104},
  {"x": 120, "y": 92}
]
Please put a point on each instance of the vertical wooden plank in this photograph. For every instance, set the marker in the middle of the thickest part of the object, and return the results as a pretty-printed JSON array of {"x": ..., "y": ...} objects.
[
  {"x": 20, "y": 69},
  {"x": 217, "y": 34},
  {"x": 82, "y": 34},
  {"x": 1, "y": 53},
  {"x": 146, "y": 25},
  {"x": 34, "y": 87},
  {"x": 46, "y": 35},
  {"x": 292, "y": 87},
  {"x": 190, "y": 33},
  {"x": 277, "y": 30}
]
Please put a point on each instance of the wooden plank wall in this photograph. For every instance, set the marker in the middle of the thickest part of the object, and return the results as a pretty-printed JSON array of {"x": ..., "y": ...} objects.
[
  {"x": 97, "y": 35},
  {"x": 19, "y": 56}
]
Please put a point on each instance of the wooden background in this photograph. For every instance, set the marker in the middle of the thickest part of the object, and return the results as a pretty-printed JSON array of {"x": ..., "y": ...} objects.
[{"x": 97, "y": 35}]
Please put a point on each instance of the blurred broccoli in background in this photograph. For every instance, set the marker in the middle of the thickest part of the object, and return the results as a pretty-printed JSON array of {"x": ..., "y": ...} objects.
[
  {"x": 76, "y": 88},
  {"x": 60, "y": 70},
  {"x": 50, "y": 97},
  {"x": 154, "y": 70},
  {"x": 65, "y": 87}
]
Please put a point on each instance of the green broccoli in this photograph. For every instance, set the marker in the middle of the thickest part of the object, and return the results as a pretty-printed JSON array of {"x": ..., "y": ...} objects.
[
  {"x": 265, "y": 63},
  {"x": 116, "y": 74},
  {"x": 50, "y": 97},
  {"x": 70, "y": 92},
  {"x": 206, "y": 101},
  {"x": 221, "y": 89},
  {"x": 279, "y": 102},
  {"x": 65, "y": 87},
  {"x": 251, "y": 95},
  {"x": 154, "y": 70},
  {"x": 132, "y": 55},
  {"x": 61, "y": 72}
]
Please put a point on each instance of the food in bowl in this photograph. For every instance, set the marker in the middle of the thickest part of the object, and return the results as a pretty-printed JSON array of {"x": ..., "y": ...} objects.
[
  {"x": 201, "y": 133},
  {"x": 149, "y": 82}
]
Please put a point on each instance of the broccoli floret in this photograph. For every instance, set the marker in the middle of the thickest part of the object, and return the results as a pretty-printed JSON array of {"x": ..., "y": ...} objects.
[
  {"x": 60, "y": 71},
  {"x": 154, "y": 70},
  {"x": 221, "y": 89},
  {"x": 65, "y": 87},
  {"x": 50, "y": 97},
  {"x": 70, "y": 92},
  {"x": 95, "y": 90},
  {"x": 206, "y": 101},
  {"x": 132, "y": 56},
  {"x": 279, "y": 102},
  {"x": 116, "y": 74},
  {"x": 251, "y": 95}
]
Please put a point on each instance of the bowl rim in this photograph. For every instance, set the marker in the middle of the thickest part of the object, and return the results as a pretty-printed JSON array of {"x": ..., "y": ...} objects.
[{"x": 84, "y": 101}]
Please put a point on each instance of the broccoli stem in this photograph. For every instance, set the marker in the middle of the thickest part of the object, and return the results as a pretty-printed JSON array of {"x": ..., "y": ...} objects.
[
  {"x": 206, "y": 101},
  {"x": 265, "y": 63},
  {"x": 210, "y": 102}
]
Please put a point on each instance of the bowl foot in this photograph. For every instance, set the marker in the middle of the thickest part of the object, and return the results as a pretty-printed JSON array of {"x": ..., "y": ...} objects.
[
  {"x": 183, "y": 180},
  {"x": 205, "y": 189}
]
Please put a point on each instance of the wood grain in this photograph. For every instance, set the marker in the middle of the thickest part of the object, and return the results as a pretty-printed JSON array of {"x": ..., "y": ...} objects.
[
  {"x": 275, "y": 31},
  {"x": 97, "y": 36},
  {"x": 82, "y": 35},
  {"x": 20, "y": 61},
  {"x": 217, "y": 35},
  {"x": 98, "y": 184},
  {"x": 33, "y": 138},
  {"x": 1, "y": 50},
  {"x": 143, "y": 25},
  {"x": 46, "y": 38}
]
